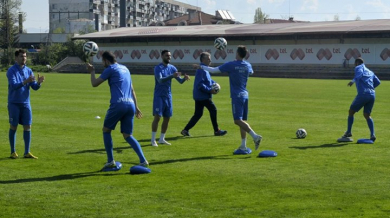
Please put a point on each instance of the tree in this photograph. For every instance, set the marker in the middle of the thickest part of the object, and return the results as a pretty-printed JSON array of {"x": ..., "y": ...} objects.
[
  {"x": 336, "y": 17},
  {"x": 88, "y": 29},
  {"x": 8, "y": 29},
  {"x": 357, "y": 17},
  {"x": 260, "y": 17},
  {"x": 59, "y": 30}
]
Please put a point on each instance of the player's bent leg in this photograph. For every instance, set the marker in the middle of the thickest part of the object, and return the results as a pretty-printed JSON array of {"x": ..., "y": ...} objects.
[
  {"x": 246, "y": 127},
  {"x": 370, "y": 123},
  {"x": 136, "y": 147}
]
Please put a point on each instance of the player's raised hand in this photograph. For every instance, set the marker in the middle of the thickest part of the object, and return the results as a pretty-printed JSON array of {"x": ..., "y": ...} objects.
[
  {"x": 90, "y": 68},
  {"x": 186, "y": 77},
  {"x": 196, "y": 66},
  {"x": 138, "y": 113},
  {"x": 41, "y": 79},
  {"x": 30, "y": 79}
]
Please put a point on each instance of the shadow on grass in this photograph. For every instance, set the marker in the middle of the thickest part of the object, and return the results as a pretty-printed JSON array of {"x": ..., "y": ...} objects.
[
  {"x": 101, "y": 150},
  {"x": 59, "y": 177},
  {"x": 330, "y": 145},
  {"x": 120, "y": 149},
  {"x": 220, "y": 157}
]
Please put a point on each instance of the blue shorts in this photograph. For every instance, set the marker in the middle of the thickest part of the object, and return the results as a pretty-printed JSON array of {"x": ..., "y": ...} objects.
[
  {"x": 366, "y": 101},
  {"x": 162, "y": 107},
  {"x": 240, "y": 108},
  {"x": 123, "y": 113},
  {"x": 19, "y": 113}
]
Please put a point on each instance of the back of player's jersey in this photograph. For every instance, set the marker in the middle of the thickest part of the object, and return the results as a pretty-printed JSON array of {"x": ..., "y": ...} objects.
[
  {"x": 239, "y": 72},
  {"x": 365, "y": 80},
  {"x": 119, "y": 79}
]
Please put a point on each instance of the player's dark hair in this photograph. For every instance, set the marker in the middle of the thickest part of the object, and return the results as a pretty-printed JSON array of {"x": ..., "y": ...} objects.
[
  {"x": 164, "y": 51},
  {"x": 109, "y": 57},
  {"x": 359, "y": 61},
  {"x": 203, "y": 55},
  {"x": 241, "y": 50},
  {"x": 19, "y": 51}
]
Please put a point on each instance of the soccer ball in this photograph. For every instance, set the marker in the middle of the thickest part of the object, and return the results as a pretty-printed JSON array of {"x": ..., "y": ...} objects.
[
  {"x": 301, "y": 133},
  {"x": 90, "y": 48},
  {"x": 216, "y": 87},
  {"x": 220, "y": 43}
]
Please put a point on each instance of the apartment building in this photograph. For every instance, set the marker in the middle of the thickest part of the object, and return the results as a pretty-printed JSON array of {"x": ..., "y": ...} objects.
[{"x": 111, "y": 14}]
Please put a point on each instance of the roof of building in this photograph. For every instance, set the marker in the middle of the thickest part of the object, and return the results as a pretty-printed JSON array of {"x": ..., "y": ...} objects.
[
  {"x": 196, "y": 18},
  {"x": 274, "y": 29},
  {"x": 291, "y": 20}
]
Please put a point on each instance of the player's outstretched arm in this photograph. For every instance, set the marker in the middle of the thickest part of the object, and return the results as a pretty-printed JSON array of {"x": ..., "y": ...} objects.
[
  {"x": 210, "y": 69},
  {"x": 95, "y": 82}
]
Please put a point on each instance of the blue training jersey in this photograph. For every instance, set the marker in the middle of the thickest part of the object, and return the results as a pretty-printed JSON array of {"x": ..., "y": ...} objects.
[
  {"x": 119, "y": 80},
  {"x": 239, "y": 72},
  {"x": 17, "y": 92},
  {"x": 366, "y": 80},
  {"x": 202, "y": 85},
  {"x": 163, "y": 73}
]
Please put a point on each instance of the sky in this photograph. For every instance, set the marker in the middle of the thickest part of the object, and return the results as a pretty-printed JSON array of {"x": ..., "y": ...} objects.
[{"x": 37, "y": 20}]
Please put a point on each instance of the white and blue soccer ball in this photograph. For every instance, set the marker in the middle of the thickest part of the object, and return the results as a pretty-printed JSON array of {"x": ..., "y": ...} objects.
[
  {"x": 90, "y": 48},
  {"x": 216, "y": 87},
  {"x": 301, "y": 133},
  {"x": 220, "y": 43}
]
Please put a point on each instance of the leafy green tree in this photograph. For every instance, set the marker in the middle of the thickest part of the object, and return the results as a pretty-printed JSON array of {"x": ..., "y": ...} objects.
[
  {"x": 260, "y": 17},
  {"x": 59, "y": 30},
  {"x": 56, "y": 52},
  {"x": 88, "y": 29},
  {"x": 8, "y": 29}
]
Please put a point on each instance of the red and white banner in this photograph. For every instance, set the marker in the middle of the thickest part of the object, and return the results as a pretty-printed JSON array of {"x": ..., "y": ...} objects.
[{"x": 257, "y": 54}]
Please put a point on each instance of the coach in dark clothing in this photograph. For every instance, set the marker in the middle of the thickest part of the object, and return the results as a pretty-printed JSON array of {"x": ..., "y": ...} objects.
[{"x": 203, "y": 98}]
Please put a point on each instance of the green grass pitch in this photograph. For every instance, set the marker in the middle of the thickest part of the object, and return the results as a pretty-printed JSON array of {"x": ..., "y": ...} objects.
[{"x": 198, "y": 176}]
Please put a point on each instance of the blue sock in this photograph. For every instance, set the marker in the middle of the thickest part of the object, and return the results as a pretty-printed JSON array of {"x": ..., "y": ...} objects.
[
  {"x": 137, "y": 148},
  {"x": 27, "y": 141},
  {"x": 370, "y": 124},
  {"x": 12, "y": 139},
  {"x": 108, "y": 146},
  {"x": 350, "y": 123}
]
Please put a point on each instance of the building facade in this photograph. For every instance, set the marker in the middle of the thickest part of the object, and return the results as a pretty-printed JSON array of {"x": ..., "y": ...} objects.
[{"x": 112, "y": 14}]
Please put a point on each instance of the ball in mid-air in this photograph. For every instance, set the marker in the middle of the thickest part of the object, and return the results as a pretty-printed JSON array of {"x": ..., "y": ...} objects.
[
  {"x": 220, "y": 43},
  {"x": 216, "y": 87},
  {"x": 301, "y": 133},
  {"x": 90, "y": 48}
]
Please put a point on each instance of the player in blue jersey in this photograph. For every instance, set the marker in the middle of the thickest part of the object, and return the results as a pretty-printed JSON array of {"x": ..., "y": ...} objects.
[
  {"x": 20, "y": 79},
  {"x": 162, "y": 100},
  {"x": 202, "y": 94},
  {"x": 366, "y": 82},
  {"x": 239, "y": 71},
  {"x": 123, "y": 106}
]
